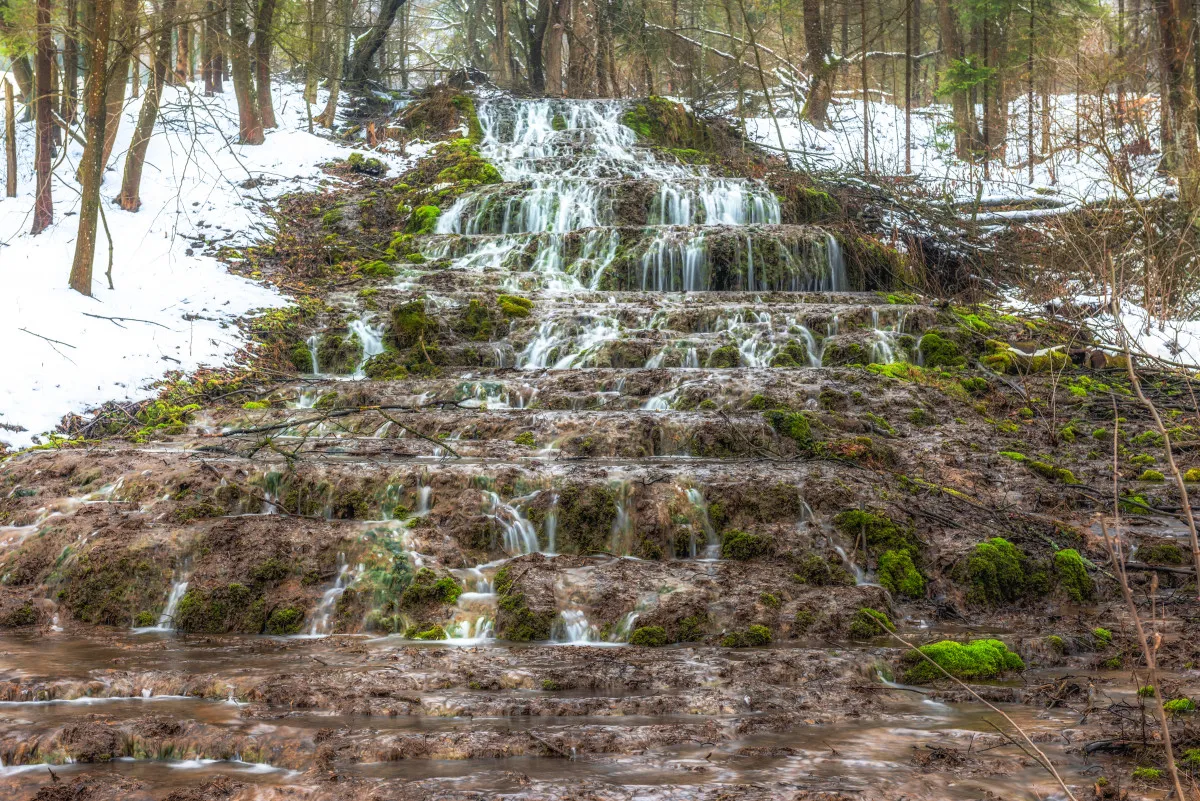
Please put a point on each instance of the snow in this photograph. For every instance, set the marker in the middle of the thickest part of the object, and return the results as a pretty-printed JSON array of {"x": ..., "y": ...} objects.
[
  {"x": 1065, "y": 178},
  {"x": 195, "y": 187}
]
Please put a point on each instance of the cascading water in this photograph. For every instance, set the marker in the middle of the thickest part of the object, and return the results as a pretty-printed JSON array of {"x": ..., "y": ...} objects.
[
  {"x": 520, "y": 537},
  {"x": 322, "y": 622},
  {"x": 372, "y": 344},
  {"x": 712, "y": 543},
  {"x": 166, "y": 618}
]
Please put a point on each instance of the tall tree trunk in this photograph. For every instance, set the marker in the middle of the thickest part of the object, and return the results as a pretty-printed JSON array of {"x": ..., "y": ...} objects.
[
  {"x": 317, "y": 25},
  {"x": 559, "y": 18},
  {"x": 92, "y": 163},
  {"x": 220, "y": 46},
  {"x": 965, "y": 134},
  {"x": 537, "y": 42},
  {"x": 866, "y": 97},
  {"x": 131, "y": 184},
  {"x": 70, "y": 62},
  {"x": 119, "y": 71},
  {"x": 1175, "y": 36},
  {"x": 817, "y": 64},
  {"x": 182, "y": 51},
  {"x": 500, "y": 43},
  {"x": 43, "y": 209},
  {"x": 10, "y": 141},
  {"x": 208, "y": 36},
  {"x": 338, "y": 62},
  {"x": 605, "y": 82},
  {"x": 581, "y": 69},
  {"x": 250, "y": 125},
  {"x": 908, "y": 74},
  {"x": 367, "y": 45},
  {"x": 263, "y": 42}
]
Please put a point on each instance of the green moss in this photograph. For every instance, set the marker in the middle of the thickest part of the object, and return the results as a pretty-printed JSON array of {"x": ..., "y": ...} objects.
[
  {"x": 869, "y": 623},
  {"x": 803, "y": 621},
  {"x": 233, "y": 608},
  {"x": 811, "y": 568},
  {"x": 792, "y": 354},
  {"x": 1073, "y": 576},
  {"x": 1147, "y": 774},
  {"x": 410, "y": 324},
  {"x": 978, "y": 659},
  {"x": 1103, "y": 636},
  {"x": 514, "y": 305},
  {"x": 1192, "y": 475},
  {"x": 1179, "y": 706},
  {"x": 1142, "y": 460},
  {"x": 724, "y": 357},
  {"x": 423, "y": 219},
  {"x": 252, "y": 406},
  {"x": 285, "y": 621},
  {"x": 378, "y": 269},
  {"x": 1152, "y": 475},
  {"x": 332, "y": 217},
  {"x": 339, "y": 354},
  {"x": 938, "y": 351},
  {"x": 753, "y": 636},
  {"x": 1134, "y": 503},
  {"x": 997, "y": 572},
  {"x": 1148, "y": 438},
  {"x": 586, "y": 514},
  {"x": 898, "y": 574},
  {"x": 737, "y": 544},
  {"x": 366, "y": 165},
  {"x": 1051, "y": 472},
  {"x": 882, "y": 533},
  {"x": 517, "y": 622},
  {"x": 558, "y": 122},
  {"x": 757, "y": 403},
  {"x": 1056, "y": 643},
  {"x": 649, "y": 637},
  {"x": 434, "y": 632},
  {"x": 426, "y": 587},
  {"x": 1146, "y": 691},
  {"x": 1191, "y": 759},
  {"x": 466, "y": 109},
  {"x": 793, "y": 425},
  {"x": 1162, "y": 553},
  {"x": 142, "y": 620},
  {"x": 525, "y": 438},
  {"x": 770, "y": 600}
]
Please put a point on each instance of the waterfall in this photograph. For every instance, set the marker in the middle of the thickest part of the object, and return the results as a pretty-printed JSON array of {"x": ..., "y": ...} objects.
[
  {"x": 313, "y": 343},
  {"x": 322, "y": 621},
  {"x": 572, "y": 628},
  {"x": 372, "y": 344},
  {"x": 519, "y": 534},
  {"x": 712, "y": 543},
  {"x": 166, "y": 619}
]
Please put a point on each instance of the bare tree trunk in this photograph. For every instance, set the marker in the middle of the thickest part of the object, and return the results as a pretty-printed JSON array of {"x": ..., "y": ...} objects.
[
  {"x": 118, "y": 72},
  {"x": 337, "y": 61},
  {"x": 70, "y": 62},
  {"x": 500, "y": 43},
  {"x": 263, "y": 42},
  {"x": 220, "y": 46},
  {"x": 250, "y": 125},
  {"x": 182, "y": 46},
  {"x": 908, "y": 74},
  {"x": 92, "y": 164},
  {"x": 208, "y": 35},
  {"x": 965, "y": 134},
  {"x": 537, "y": 43},
  {"x": 43, "y": 209},
  {"x": 317, "y": 25},
  {"x": 817, "y": 63},
  {"x": 131, "y": 184},
  {"x": 866, "y": 98},
  {"x": 559, "y": 18},
  {"x": 369, "y": 43},
  {"x": 581, "y": 71},
  {"x": 10, "y": 141}
]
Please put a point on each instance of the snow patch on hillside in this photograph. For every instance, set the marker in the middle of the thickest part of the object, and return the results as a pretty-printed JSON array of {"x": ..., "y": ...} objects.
[{"x": 199, "y": 186}]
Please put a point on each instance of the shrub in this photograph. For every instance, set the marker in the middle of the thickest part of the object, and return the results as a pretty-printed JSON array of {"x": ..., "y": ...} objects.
[
  {"x": 978, "y": 659},
  {"x": 649, "y": 637},
  {"x": 1073, "y": 576}
]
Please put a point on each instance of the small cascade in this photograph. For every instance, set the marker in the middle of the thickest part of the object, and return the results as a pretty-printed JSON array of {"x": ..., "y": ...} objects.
[
  {"x": 712, "y": 543},
  {"x": 573, "y": 628},
  {"x": 313, "y": 343},
  {"x": 883, "y": 350},
  {"x": 622, "y": 527},
  {"x": 550, "y": 525},
  {"x": 837, "y": 265},
  {"x": 424, "y": 499},
  {"x": 322, "y": 622},
  {"x": 372, "y": 344},
  {"x": 623, "y": 628},
  {"x": 860, "y": 575},
  {"x": 166, "y": 619},
  {"x": 520, "y": 537},
  {"x": 567, "y": 349}
]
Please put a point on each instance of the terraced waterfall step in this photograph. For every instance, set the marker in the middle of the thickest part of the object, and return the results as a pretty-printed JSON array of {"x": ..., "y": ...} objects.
[{"x": 597, "y": 487}]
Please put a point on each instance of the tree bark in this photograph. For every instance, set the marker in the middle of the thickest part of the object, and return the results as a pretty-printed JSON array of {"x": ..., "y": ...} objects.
[
  {"x": 220, "y": 46},
  {"x": 965, "y": 134},
  {"x": 208, "y": 34},
  {"x": 250, "y": 124},
  {"x": 817, "y": 64},
  {"x": 10, "y": 141},
  {"x": 581, "y": 68},
  {"x": 500, "y": 44},
  {"x": 129, "y": 198},
  {"x": 182, "y": 55},
  {"x": 537, "y": 42},
  {"x": 70, "y": 58},
  {"x": 317, "y": 25},
  {"x": 369, "y": 43},
  {"x": 43, "y": 209},
  {"x": 119, "y": 72},
  {"x": 263, "y": 41},
  {"x": 553, "y": 49},
  {"x": 92, "y": 163},
  {"x": 338, "y": 61}
]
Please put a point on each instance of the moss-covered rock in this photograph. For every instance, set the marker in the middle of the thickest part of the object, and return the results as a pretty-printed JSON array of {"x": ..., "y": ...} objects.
[
  {"x": 743, "y": 546},
  {"x": 997, "y": 572},
  {"x": 724, "y": 357},
  {"x": 753, "y": 636},
  {"x": 898, "y": 574},
  {"x": 978, "y": 659},
  {"x": 938, "y": 351},
  {"x": 1072, "y": 575},
  {"x": 869, "y": 623},
  {"x": 649, "y": 637}
]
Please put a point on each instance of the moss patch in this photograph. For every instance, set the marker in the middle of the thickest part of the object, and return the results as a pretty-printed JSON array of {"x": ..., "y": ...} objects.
[{"x": 978, "y": 659}]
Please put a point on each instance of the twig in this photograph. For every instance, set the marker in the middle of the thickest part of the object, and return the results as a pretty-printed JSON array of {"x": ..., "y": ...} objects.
[
  {"x": 414, "y": 432},
  {"x": 114, "y": 320}
]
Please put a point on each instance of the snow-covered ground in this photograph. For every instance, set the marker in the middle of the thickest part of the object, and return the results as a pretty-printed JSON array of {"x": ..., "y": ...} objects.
[
  {"x": 57, "y": 358},
  {"x": 1073, "y": 175}
]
